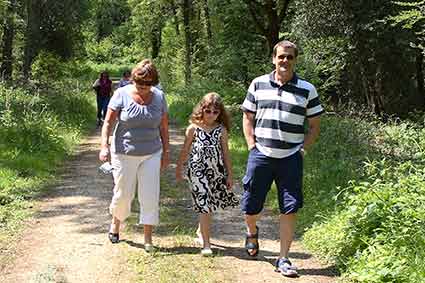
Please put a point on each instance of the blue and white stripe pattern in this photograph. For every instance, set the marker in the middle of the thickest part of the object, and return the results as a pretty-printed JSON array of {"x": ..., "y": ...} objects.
[{"x": 280, "y": 113}]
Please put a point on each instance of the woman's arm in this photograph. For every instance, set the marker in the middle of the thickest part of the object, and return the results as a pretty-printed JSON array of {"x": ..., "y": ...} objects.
[
  {"x": 165, "y": 139},
  {"x": 184, "y": 152},
  {"x": 111, "y": 116},
  {"x": 226, "y": 157}
]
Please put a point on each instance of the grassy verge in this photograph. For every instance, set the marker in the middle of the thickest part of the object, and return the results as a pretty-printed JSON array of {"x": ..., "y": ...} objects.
[
  {"x": 39, "y": 129},
  {"x": 376, "y": 233}
]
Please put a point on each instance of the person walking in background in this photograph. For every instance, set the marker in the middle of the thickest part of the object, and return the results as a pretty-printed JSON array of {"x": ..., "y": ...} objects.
[
  {"x": 125, "y": 80},
  {"x": 274, "y": 111},
  {"x": 103, "y": 89},
  {"x": 139, "y": 149},
  {"x": 209, "y": 169}
]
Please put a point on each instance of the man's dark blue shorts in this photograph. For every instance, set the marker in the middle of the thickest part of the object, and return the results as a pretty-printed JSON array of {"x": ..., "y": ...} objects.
[{"x": 261, "y": 171}]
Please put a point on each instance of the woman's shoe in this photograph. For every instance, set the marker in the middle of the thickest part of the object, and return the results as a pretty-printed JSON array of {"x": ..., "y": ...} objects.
[{"x": 114, "y": 237}]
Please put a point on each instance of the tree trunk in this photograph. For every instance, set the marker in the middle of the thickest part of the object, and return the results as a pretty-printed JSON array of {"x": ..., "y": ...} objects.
[
  {"x": 156, "y": 42},
  {"x": 32, "y": 36},
  {"x": 7, "y": 45},
  {"x": 207, "y": 21},
  {"x": 187, "y": 12},
  {"x": 420, "y": 76},
  {"x": 268, "y": 18},
  {"x": 176, "y": 19}
]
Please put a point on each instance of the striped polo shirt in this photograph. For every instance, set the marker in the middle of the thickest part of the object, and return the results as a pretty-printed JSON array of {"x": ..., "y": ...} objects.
[{"x": 280, "y": 113}]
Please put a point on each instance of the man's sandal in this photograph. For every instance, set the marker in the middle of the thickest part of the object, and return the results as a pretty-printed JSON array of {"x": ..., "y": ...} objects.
[
  {"x": 252, "y": 246},
  {"x": 285, "y": 267}
]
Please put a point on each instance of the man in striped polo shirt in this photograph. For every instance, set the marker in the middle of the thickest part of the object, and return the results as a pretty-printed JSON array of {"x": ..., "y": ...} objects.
[{"x": 275, "y": 110}]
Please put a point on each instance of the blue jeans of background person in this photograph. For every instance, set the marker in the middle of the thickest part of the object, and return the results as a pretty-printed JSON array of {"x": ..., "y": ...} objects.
[{"x": 102, "y": 106}]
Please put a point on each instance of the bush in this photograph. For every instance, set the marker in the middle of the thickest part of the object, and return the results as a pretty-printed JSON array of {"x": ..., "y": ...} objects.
[
  {"x": 39, "y": 127},
  {"x": 378, "y": 231}
]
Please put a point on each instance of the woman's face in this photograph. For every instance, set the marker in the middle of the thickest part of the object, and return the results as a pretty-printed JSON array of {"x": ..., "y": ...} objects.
[{"x": 144, "y": 86}]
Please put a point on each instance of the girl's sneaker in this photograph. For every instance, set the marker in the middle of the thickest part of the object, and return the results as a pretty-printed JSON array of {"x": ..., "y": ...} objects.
[
  {"x": 285, "y": 267},
  {"x": 206, "y": 252},
  {"x": 149, "y": 248}
]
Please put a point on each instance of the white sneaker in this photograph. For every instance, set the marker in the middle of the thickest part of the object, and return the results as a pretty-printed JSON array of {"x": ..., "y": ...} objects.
[
  {"x": 149, "y": 248},
  {"x": 206, "y": 252}
]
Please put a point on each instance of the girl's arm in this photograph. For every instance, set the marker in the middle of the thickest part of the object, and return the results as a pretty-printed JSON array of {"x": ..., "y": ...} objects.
[
  {"x": 184, "y": 152},
  {"x": 226, "y": 156},
  {"x": 165, "y": 139},
  {"x": 111, "y": 116}
]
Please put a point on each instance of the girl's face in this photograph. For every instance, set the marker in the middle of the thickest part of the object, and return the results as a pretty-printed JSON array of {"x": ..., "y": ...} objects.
[{"x": 210, "y": 114}]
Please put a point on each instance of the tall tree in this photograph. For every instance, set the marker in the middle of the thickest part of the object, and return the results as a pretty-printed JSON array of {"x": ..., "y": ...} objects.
[
  {"x": 375, "y": 52},
  {"x": 32, "y": 34},
  {"x": 109, "y": 14},
  {"x": 411, "y": 18},
  {"x": 207, "y": 20},
  {"x": 52, "y": 26},
  {"x": 7, "y": 43},
  {"x": 187, "y": 16},
  {"x": 268, "y": 16}
]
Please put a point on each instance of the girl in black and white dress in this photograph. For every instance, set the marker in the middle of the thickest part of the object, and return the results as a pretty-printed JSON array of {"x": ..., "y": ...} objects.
[{"x": 209, "y": 169}]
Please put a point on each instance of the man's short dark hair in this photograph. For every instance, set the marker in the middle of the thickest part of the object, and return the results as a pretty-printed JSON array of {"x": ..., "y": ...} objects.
[{"x": 285, "y": 44}]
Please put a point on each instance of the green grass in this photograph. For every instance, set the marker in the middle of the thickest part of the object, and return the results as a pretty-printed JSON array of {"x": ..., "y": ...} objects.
[{"x": 40, "y": 127}]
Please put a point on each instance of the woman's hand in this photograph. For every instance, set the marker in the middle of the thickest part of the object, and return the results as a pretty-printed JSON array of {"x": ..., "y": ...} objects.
[
  {"x": 104, "y": 154},
  {"x": 165, "y": 160}
]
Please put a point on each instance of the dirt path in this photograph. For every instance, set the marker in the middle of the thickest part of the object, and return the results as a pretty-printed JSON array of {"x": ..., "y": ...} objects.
[{"x": 66, "y": 241}]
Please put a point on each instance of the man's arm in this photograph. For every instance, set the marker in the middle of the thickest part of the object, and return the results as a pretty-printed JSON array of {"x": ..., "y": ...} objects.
[
  {"x": 313, "y": 131},
  {"x": 248, "y": 128}
]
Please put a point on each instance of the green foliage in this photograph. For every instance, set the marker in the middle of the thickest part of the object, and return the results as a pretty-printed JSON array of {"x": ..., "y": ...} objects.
[
  {"x": 377, "y": 232},
  {"x": 48, "y": 66},
  {"x": 360, "y": 52},
  {"x": 184, "y": 99},
  {"x": 411, "y": 17},
  {"x": 60, "y": 26},
  {"x": 39, "y": 128},
  {"x": 324, "y": 69}
]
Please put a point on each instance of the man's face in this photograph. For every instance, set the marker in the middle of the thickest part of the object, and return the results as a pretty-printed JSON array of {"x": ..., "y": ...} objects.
[{"x": 284, "y": 61}]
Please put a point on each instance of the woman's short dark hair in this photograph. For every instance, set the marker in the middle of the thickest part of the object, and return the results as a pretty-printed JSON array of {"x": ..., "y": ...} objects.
[{"x": 143, "y": 71}]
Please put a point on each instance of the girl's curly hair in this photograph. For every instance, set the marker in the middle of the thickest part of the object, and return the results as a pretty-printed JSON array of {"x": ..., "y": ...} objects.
[{"x": 209, "y": 100}]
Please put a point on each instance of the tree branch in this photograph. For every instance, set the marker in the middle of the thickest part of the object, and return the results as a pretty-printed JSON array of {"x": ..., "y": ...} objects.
[{"x": 253, "y": 6}]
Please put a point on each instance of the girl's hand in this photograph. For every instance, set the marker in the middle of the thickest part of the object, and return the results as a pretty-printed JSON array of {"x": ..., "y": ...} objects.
[
  {"x": 104, "y": 154},
  {"x": 165, "y": 160},
  {"x": 229, "y": 183}
]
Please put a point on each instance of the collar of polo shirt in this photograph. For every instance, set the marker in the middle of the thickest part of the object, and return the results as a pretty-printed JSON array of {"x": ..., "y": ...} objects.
[{"x": 293, "y": 81}]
